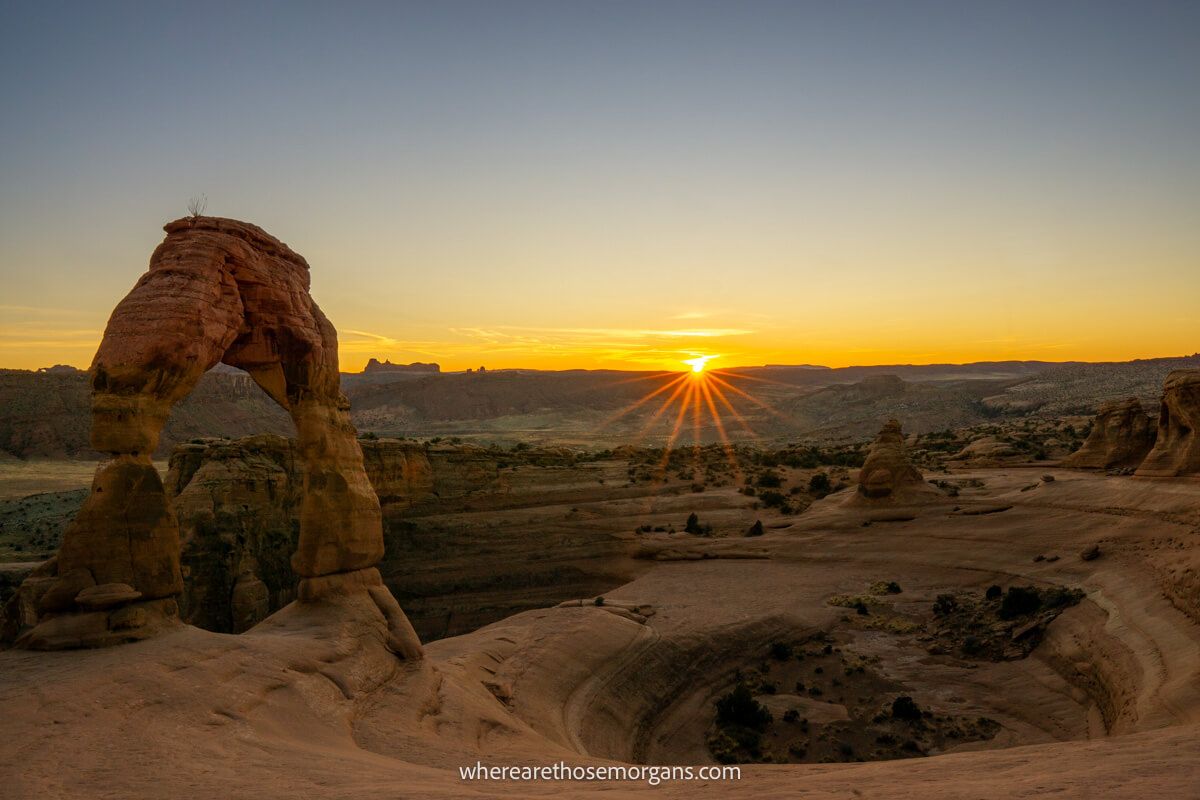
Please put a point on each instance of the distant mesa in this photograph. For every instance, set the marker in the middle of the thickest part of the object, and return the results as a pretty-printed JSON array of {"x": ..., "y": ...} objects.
[
  {"x": 377, "y": 366},
  {"x": 1122, "y": 434},
  {"x": 60, "y": 369},
  {"x": 1176, "y": 449}
]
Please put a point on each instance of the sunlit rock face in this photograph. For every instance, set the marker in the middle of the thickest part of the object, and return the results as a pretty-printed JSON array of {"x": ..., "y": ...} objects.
[
  {"x": 886, "y": 470},
  {"x": 1122, "y": 434},
  {"x": 217, "y": 290},
  {"x": 1177, "y": 445}
]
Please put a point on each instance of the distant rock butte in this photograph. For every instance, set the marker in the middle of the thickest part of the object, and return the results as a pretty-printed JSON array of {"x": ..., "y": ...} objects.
[
  {"x": 375, "y": 365},
  {"x": 217, "y": 290},
  {"x": 887, "y": 470},
  {"x": 1176, "y": 449},
  {"x": 1122, "y": 434}
]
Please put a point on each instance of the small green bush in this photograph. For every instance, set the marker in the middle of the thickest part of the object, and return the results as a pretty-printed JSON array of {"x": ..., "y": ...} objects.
[
  {"x": 739, "y": 707},
  {"x": 905, "y": 708}
]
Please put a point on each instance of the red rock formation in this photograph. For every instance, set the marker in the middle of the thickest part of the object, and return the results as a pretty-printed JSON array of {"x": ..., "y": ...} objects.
[
  {"x": 217, "y": 290},
  {"x": 1121, "y": 436},
  {"x": 1177, "y": 446},
  {"x": 887, "y": 470}
]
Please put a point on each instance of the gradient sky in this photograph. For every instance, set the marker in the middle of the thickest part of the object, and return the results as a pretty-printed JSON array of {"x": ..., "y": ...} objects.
[{"x": 605, "y": 184}]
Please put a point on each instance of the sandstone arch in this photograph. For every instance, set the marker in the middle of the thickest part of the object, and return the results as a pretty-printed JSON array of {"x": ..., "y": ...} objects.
[{"x": 216, "y": 290}]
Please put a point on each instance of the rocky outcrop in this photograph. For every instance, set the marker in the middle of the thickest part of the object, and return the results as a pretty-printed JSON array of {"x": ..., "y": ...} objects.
[
  {"x": 1122, "y": 434},
  {"x": 238, "y": 508},
  {"x": 886, "y": 472},
  {"x": 1176, "y": 449},
  {"x": 460, "y": 470},
  {"x": 217, "y": 290},
  {"x": 400, "y": 471}
]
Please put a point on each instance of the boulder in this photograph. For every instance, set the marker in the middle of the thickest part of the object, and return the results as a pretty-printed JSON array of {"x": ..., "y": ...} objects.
[
  {"x": 1176, "y": 449},
  {"x": 1122, "y": 434},
  {"x": 106, "y": 595}
]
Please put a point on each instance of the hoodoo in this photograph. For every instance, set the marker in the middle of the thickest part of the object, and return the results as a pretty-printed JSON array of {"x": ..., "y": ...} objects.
[
  {"x": 1122, "y": 434},
  {"x": 887, "y": 470},
  {"x": 1177, "y": 446},
  {"x": 217, "y": 290}
]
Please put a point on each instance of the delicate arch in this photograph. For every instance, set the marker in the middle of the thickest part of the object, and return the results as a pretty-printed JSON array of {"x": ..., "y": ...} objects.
[{"x": 216, "y": 290}]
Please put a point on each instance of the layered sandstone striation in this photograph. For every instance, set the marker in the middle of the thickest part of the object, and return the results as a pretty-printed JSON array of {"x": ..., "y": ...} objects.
[
  {"x": 238, "y": 505},
  {"x": 238, "y": 508},
  {"x": 217, "y": 291},
  {"x": 1176, "y": 449},
  {"x": 886, "y": 473},
  {"x": 1122, "y": 434}
]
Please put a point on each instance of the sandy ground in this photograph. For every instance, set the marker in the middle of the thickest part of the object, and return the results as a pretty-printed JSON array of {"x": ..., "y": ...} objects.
[{"x": 309, "y": 704}]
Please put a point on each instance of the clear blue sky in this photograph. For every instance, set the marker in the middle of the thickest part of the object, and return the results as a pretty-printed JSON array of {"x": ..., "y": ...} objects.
[{"x": 623, "y": 184}]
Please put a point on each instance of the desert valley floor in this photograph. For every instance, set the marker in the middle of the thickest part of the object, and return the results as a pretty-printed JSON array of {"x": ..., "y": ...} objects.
[{"x": 1097, "y": 697}]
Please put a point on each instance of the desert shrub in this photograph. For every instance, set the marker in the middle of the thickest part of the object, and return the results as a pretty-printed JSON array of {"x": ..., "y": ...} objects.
[
  {"x": 739, "y": 708},
  {"x": 756, "y": 529},
  {"x": 770, "y": 480},
  {"x": 905, "y": 708},
  {"x": 819, "y": 484},
  {"x": 804, "y": 459},
  {"x": 791, "y": 715},
  {"x": 993, "y": 592},
  {"x": 694, "y": 527},
  {"x": 945, "y": 604},
  {"x": 1019, "y": 601},
  {"x": 771, "y": 498},
  {"x": 781, "y": 651},
  {"x": 197, "y": 205}
]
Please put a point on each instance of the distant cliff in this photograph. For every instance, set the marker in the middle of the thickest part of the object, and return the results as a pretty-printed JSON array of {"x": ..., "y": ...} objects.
[{"x": 46, "y": 414}]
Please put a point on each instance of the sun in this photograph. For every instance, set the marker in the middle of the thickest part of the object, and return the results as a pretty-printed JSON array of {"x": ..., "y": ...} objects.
[{"x": 698, "y": 362}]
